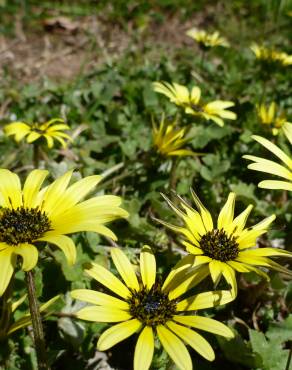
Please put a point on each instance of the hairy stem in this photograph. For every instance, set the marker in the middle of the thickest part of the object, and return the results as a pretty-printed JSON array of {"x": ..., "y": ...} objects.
[{"x": 38, "y": 332}]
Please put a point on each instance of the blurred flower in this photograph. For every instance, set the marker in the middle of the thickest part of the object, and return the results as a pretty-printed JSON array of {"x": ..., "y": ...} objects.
[
  {"x": 169, "y": 139},
  {"x": 228, "y": 247},
  {"x": 192, "y": 104},
  {"x": 274, "y": 168},
  {"x": 270, "y": 115},
  {"x": 270, "y": 55},
  {"x": 146, "y": 305},
  {"x": 31, "y": 215},
  {"x": 8, "y": 327},
  {"x": 51, "y": 130},
  {"x": 207, "y": 40}
]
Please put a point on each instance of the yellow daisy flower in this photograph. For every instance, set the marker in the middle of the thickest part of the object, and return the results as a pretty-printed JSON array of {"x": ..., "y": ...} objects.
[
  {"x": 271, "y": 116},
  {"x": 274, "y": 168},
  {"x": 191, "y": 102},
  {"x": 207, "y": 40},
  {"x": 169, "y": 139},
  {"x": 143, "y": 304},
  {"x": 7, "y": 327},
  {"x": 51, "y": 130},
  {"x": 270, "y": 55},
  {"x": 31, "y": 215},
  {"x": 227, "y": 247}
]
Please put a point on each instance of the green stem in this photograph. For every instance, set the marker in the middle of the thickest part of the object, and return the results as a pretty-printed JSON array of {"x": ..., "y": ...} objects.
[{"x": 38, "y": 332}]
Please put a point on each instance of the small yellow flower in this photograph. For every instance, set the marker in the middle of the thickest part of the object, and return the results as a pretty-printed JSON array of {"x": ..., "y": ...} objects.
[
  {"x": 274, "y": 168},
  {"x": 51, "y": 130},
  {"x": 227, "y": 247},
  {"x": 191, "y": 102},
  {"x": 270, "y": 55},
  {"x": 143, "y": 304},
  {"x": 207, "y": 40},
  {"x": 7, "y": 327},
  {"x": 169, "y": 139},
  {"x": 31, "y": 215},
  {"x": 271, "y": 116}
]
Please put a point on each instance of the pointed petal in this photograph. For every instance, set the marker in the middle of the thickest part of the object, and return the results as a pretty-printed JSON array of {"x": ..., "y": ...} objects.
[
  {"x": 7, "y": 263},
  {"x": 98, "y": 298},
  {"x": 125, "y": 268},
  {"x": 32, "y": 186},
  {"x": 65, "y": 243},
  {"x": 10, "y": 189},
  {"x": 195, "y": 340},
  {"x": 117, "y": 333},
  {"x": 205, "y": 300},
  {"x": 205, "y": 214},
  {"x": 29, "y": 255},
  {"x": 102, "y": 314},
  {"x": 106, "y": 278},
  {"x": 144, "y": 349},
  {"x": 227, "y": 213},
  {"x": 206, "y": 324},
  {"x": 175, "y": 348},
  {"x": 147, "y": 267},
  {"x": 216, "y": 268},
  {"x": 230, "y": 277}
]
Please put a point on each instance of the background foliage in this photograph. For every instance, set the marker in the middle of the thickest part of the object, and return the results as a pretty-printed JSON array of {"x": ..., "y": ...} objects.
[{"x": 92, "y": 63}]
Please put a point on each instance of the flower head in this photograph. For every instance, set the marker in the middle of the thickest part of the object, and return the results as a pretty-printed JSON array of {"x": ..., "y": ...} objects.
[
  {"x": 226, "y": 247},
  {"x": 51, "y": 130},
  {"x": 169, "y": 139},
  {"x": 31, "y": 215},
  {"x": 274, "y": 168},
  {"x": 267, "y": 55},
  {"x": 207, "y": 40},
  {"x": 143, "y": 304},
  {"x": 191, "y": 102},
  {"x": 271, "y": 116}
]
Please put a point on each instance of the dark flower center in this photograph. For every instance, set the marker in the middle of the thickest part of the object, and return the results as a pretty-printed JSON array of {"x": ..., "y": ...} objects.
[
  {"x": 22, "y": 225},
  {"x": 217, "y": 245},
  {"x": 152, "y": 307}
]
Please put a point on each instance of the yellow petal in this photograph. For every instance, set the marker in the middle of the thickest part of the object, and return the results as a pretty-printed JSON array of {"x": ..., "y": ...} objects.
[
  {"x": 187, "y": 280},
  {"x": 175, "y": 348},
  {"x": 125, "y": 268},
  {"x": 216, "y": 268},
  {"x": 205, "y": 214},
  {"x": 274, "y": 149},
  {"x": 7, "y": 263},
  {"x": 102, "y": 314},
  {"x": 206, "y": 324},
  {"x": 205, "y": 300},
  {"x": 230, "y": 277},
  {"x": 240, "y": 221},
  {"x": 144, "y": 349},
  {"x": 32, "y": 186},
  {"x": 147, "y": 267},
  {"x": 227, "y": 213},
  {"x": 55, "y": 191},
  {"x": 98, "y": 298},
  {"x": 75, "y": 193},
  {"x": 117, "y": 333},
  {"x": 273, "y": 184},
  {"x": 29, "y": 255},
  {"x": 107, "y": 279},
  {"x": 195, "y": 340},
  {"x": 10, "y": 189},
  {"x": 65, "y": 243}
]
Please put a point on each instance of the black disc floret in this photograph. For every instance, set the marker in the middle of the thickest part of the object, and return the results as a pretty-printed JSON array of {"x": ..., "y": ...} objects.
[
  {"x": 152, "y": 307},
  {"x": 22, "y": 225},
  {"x": 217, "y": 245}
]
